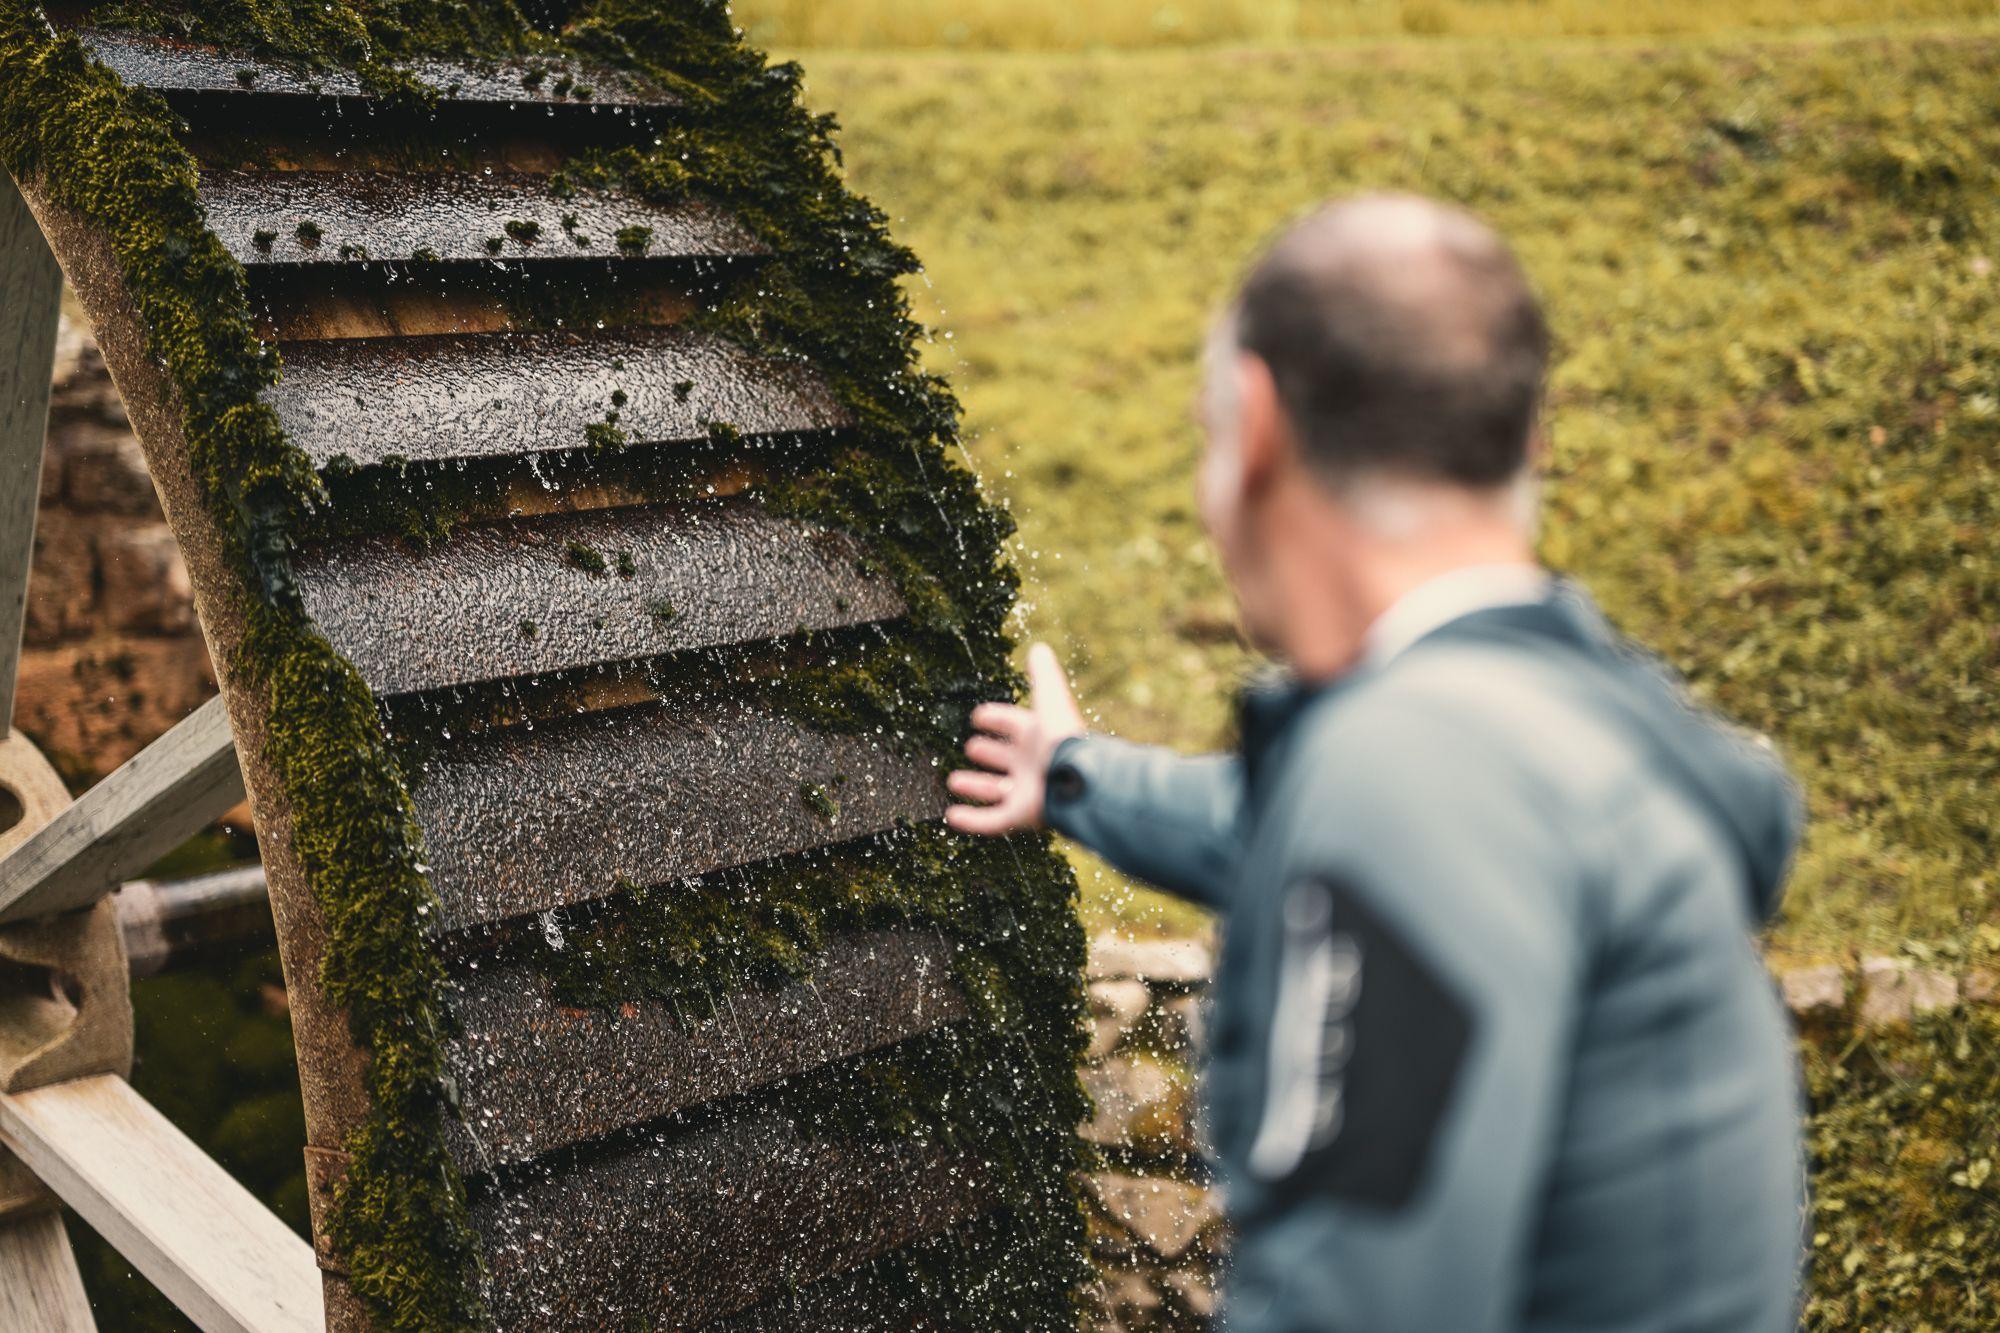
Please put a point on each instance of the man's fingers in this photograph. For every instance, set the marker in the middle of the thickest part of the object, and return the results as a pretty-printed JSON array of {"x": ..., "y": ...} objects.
[
  {"x": 990, "y": 753},
  {"x": 973, "y": 785},
  {"x": 983, "y": 820},
  {"x": 1004, "y": 720},
  {"x": 1053, "y": 699}
]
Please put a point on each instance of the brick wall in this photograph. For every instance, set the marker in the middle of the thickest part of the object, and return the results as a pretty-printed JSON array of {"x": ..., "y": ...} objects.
[{"x": 112, "y": 655}]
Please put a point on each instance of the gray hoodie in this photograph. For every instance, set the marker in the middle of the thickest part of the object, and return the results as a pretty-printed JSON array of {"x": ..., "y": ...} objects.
[{"x": 1492, "y": 1047}]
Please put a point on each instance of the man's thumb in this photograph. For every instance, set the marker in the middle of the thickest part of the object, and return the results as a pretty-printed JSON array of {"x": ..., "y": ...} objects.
[{"x": 1052, "y": 696}]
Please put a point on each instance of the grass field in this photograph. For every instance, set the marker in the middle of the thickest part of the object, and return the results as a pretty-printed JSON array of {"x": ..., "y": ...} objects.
[
  {"x": 1770, "y": 264},
  {"x": 1018, "y": 25}
]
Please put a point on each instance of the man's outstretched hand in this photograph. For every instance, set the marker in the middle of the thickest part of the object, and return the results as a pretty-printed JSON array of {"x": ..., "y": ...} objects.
[{"x": 1013, "y": 748}]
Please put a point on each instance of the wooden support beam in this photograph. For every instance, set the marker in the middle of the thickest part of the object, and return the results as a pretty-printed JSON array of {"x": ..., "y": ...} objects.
[
  {"x": 40, "y": 1289},
  {"x": 181, "y": 1220},
  {"x": 180, "y": 922},
  {"x": 30, "y": 307},
  {"x": 161, "y": 797}
]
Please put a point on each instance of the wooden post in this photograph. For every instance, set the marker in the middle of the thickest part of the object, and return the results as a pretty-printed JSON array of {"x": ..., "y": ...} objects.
[
  {"x": 180, "y": 922},
  {"x": 40, "y": 1288},
  {"x": 30, "y": 306}
]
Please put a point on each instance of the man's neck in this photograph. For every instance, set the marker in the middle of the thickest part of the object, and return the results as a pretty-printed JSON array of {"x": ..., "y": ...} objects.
[{"x": 1333, "y": 601}]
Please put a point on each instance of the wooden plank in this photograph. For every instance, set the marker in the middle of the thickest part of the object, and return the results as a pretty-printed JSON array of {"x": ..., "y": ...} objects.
[
  {"x": 535, "y": 1074},
  {"x": 40, "y": 1289},
  {"x": 615, "y": 585},
  {"x": 370, "y": 401},
  {"x": 673, "y": 1230},
  {"x": 181, "y": 1220},
  {"x": 235, "y": 77},
  {"x": 522, "y": 820},
  {"x": 350, "y": 218},
  {"x": 31, "y": 286},
  {"x": 161, "y": 797}
]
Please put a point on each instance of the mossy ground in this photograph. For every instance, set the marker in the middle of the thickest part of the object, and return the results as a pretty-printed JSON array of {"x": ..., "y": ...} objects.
[
  {"x": 1905, "y": 1129},
  {"x": 1043, "y": 25},
  {"x": 1771, "y": 269}
]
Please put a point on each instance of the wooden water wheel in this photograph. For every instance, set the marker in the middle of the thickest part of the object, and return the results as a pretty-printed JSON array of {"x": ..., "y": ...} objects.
[{"x": 572, "y": 682}]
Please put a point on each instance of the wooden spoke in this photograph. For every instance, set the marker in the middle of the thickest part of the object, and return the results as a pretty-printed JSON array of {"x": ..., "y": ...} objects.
[
  {"x": 201, "y": 1238},
  {"x": 164, "y": 795}
]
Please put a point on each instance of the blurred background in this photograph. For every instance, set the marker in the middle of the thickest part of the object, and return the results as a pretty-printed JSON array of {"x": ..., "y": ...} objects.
[{"x": 1766, "y": 233}]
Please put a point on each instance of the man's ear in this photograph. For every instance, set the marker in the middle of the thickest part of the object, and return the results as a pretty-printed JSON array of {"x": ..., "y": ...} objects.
[
  {"x": 1263, "y": 433},
  {"x": 1538, "y": 448}
]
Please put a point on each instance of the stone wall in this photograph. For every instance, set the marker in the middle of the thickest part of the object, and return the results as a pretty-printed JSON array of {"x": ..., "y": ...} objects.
[
  {"x": 112, "y": 655},
  {"x": 1156, "y": 1224}
]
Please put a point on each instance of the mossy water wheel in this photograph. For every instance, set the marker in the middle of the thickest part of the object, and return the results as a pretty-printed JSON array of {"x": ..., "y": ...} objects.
[{"x": 596, "y": 596}]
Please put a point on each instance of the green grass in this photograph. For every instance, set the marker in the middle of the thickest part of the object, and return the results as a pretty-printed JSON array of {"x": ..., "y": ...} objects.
[
  {"x": 1772, "y": 272},
  {"x": 1018, "y": 25}
]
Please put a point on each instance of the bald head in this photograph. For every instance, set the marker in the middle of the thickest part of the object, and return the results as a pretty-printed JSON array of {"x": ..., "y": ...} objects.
[{"x": 1403, "y": 340}]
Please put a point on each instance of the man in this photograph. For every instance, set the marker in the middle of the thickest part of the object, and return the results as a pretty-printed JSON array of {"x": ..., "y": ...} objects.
[{"x": 1492, "y": 1046}]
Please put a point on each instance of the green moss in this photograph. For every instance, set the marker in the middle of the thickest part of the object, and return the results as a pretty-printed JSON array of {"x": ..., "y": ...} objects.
[
  {"x": 999, "y": 1087},
  {"x": 586, "y": 557},
  {"x": 524, "y": 233},
  {"x": 635, "y": 240},
  {"x": 820, "y": 801},
  {"x": 605, "y": 436}
]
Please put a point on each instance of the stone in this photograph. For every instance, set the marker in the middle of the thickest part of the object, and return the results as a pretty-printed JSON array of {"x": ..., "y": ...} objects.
[
  {"x": 1132, "y": 1294},
  {"x": 62, "y": 579},
  {"x": 1115, "y": 1007},
  {"x": 1893, "y": 991},
  {"x": 1811, "y": 990},
  {"x": 1170, "y": 962},
  {"x": 1132, "y": 1096},
  {"x": 1182, "y": 1025},
  {"x": 1982, "y": 986},
  {"x": 105, "y": 471},
  {"x": 145, "y": 586},
  {"x": 94, "y": 705},
  {"x": 1885, "y": 991},
  {"x": 1194, "y": 1293},
  {"x": 1932, "y": 991},
  {"x": 1164, "y": 1215}
]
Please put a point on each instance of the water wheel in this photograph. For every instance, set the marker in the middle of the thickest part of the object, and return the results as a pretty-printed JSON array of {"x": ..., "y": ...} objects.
[{"x": 594, "y": 597}]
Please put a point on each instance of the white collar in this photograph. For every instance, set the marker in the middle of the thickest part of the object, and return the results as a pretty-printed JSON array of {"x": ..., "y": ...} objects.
[{"x": 1441, "y": 600}]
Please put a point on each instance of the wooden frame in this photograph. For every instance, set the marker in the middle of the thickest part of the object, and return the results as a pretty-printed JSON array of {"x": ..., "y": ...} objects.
[
  {"x": 29, "y": 317},
  {"x": 204, "y": 1240}
]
